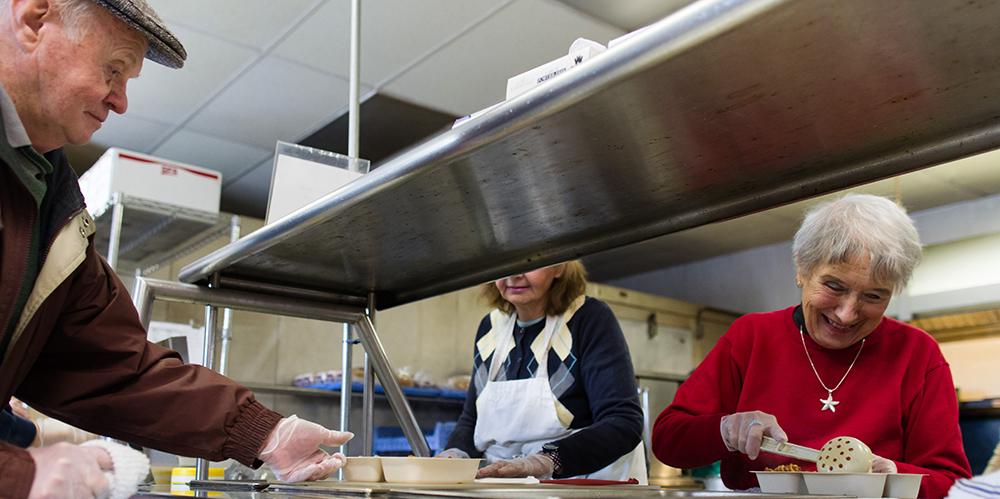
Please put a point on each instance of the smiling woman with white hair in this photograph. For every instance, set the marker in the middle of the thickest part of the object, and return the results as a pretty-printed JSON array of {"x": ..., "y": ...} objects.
[{"x": 833, "y": 365}]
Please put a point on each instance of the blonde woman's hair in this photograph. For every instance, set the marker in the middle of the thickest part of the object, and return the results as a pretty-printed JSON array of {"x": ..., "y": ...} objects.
[{"x": 566, "y": 288}]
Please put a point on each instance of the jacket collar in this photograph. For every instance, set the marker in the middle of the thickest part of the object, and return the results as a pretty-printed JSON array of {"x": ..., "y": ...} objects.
[{"x": 13, "y": 128}]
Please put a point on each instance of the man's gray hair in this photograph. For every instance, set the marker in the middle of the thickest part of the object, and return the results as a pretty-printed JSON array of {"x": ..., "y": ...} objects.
[
  {"x": 73, "y": 13},
  {"x": 859, "y": 225}
]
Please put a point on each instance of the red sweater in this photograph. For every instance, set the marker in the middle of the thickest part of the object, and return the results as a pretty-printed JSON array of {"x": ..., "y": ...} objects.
[{"x": 899, "y": 399}]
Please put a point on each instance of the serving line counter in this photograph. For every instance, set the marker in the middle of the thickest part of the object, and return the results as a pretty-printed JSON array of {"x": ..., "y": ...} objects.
[
  {"x": 725, "y": 108},
  {"x": 333, "y": 489}
]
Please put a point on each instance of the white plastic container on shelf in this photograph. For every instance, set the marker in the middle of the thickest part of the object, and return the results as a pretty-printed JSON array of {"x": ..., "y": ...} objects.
[{"x": 148, "y": 177}]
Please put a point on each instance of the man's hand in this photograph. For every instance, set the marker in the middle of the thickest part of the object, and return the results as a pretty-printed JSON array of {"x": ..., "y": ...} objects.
[
  {"x": 66, "y": 470},
  {"x": 744, "y": 431},
  {"x": 536, "y": 465},
  {"x": 292, "y": 450}
]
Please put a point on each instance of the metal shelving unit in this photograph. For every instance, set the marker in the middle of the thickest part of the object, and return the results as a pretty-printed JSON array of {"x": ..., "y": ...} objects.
[
  {"x": 139, "y": 234},
  {"x": 725, "y": 108}
]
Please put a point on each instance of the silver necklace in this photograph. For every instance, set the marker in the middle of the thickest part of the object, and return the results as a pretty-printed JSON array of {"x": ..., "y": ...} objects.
[{"x": 828, "y": 402}]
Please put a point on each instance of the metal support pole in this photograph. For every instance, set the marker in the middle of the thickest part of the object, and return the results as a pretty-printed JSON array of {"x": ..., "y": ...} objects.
[
  {"x": 397, "y": 401},
  {"x": 368, "y": 402},
  {"x": 354, "y": 106},
  {"x": 352, "y": 152},
  {"x": 207, "y": 360},
  {"x": 115, "y": 237},
  {"x": 227, "y": 313},
  {"x": 346, "y": 381},
  {"x": 646, "y": 430}
]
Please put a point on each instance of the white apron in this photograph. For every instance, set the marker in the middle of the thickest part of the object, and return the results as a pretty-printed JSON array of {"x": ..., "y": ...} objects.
[{"x": 515, "y": 418}]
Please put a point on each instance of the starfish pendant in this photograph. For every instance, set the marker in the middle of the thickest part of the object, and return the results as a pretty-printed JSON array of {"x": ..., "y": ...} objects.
[{"x": 829, "y": 403}]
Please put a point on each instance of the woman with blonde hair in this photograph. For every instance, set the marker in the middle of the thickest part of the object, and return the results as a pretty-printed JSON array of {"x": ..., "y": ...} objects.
[{"x": 553, "y": 391}]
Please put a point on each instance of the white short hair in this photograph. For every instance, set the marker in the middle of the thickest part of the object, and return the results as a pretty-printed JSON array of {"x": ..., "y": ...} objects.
[
  {"x": 859, "y": 225},
  {"x": 74, "y": 14}
]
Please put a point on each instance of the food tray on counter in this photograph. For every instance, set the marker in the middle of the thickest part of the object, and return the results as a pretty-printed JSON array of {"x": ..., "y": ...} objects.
[{"x": 900, "y": 485}]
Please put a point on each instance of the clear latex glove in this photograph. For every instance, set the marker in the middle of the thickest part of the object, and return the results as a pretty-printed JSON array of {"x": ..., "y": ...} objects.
[
  {"x": 52, "y": 431},
  {"x": 883, "y": 465},
  {"x": 744, "y": 431},
  {"x": 536, "y": 465},
  {"x": 453, "y": 453},
  {"x": 19, "y": 408},
  {"x": 70, "y": 471},
  {"x": 292, "y": 450}
]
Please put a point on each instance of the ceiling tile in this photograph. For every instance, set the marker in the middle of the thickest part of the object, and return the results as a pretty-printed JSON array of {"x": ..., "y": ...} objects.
[
  {"x": 977, "y": 175},
  {"x": 171, "y": 95},
  {"x": 472, "y": 72},
  {"x": 276, "y": 100},
  {"x": 389, "y": 41},
  {"x": 630, "y": 14},
  {"x": 226, "y": 156},
  {"x": 256, "y": 23},
  {"x": 130, "y": 132}
]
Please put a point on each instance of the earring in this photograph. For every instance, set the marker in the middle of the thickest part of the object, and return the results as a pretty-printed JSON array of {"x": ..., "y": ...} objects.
[{"x": 798, "y": 283}]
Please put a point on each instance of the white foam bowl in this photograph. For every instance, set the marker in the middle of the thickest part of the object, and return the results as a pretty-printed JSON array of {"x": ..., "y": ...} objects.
[
  {"x": 363, "y": 469},
  {"x": 781, "y": 482},
  {"x": 902, "y": 485},
  {"x": 429, "y": 469},
  {"x": 845, "y": 484}
]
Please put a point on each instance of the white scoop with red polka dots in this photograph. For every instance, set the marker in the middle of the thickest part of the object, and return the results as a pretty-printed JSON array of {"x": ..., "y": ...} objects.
[{"x": 840, "y": 454}]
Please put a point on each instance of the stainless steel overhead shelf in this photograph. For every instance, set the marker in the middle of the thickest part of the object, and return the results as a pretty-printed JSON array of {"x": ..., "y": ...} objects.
[{"x": 726, "y": 108}]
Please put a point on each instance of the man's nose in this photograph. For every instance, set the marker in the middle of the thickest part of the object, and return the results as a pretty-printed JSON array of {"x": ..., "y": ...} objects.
[{"x": 116, "y": 99}]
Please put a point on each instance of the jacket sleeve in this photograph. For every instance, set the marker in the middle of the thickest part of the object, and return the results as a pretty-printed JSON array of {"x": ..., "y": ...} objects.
[
  {"x": 98, "y": 372},
  {"x": 609, "y": 382},
  {"x": 17, "y": 471},
  {"x": 932, "y": 439},
  {"x": 686, "y": 434}
]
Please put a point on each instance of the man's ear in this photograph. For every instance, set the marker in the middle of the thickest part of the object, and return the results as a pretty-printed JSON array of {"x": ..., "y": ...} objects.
[{"x": 27, "y": 18}]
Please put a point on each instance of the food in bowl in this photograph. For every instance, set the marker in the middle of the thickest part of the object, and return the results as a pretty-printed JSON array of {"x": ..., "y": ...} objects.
[
  {"x": 363, "y": 469},
  {"x": 784, "y": 467},
  {"x": 429, "y": 469}
]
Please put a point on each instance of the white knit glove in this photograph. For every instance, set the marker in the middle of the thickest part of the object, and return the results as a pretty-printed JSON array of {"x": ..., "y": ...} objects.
[{"x": 129, "y": 468}]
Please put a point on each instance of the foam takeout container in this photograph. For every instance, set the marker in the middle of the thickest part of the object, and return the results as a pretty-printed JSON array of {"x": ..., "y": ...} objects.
[
  {"x": 363, "y": 469},
  {"x": 429, "y": 469}
]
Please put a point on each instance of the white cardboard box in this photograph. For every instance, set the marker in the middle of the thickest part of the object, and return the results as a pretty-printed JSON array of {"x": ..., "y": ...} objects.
[
  {"x": 581, "y": 51},
  {"x": 148, "y": 177}
]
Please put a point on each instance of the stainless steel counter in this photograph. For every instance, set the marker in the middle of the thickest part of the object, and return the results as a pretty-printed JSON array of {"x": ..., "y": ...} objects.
[
  {"x": 725, "y": 108},
  {"x": 324, "y": 490}
]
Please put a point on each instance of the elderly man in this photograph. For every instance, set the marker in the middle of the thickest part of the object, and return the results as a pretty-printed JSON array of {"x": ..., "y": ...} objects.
[{"x": 72, "y": 345}]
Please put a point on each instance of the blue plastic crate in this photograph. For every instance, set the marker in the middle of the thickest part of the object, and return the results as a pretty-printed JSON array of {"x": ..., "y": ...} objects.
[{"x": 389, "y": 440}]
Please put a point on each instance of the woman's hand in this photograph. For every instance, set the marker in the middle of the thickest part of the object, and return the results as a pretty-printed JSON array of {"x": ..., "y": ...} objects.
[
  {"x": 743, "y": 431},
  {"x": 453, "y": 453},
  {"x": 883, "y": 465},
  {"x": 536, "y": 465}
]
